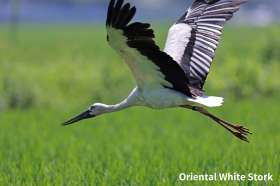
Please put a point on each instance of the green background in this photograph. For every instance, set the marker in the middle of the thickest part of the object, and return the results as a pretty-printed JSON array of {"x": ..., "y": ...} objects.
[{"x": 50, "y": 73}]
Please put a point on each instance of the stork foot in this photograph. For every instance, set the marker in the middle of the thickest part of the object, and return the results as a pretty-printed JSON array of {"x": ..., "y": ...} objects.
[{"x": 237, "y": 130}]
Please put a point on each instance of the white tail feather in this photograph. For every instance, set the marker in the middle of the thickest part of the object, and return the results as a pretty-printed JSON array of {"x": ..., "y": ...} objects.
[{"x": 210, "y": 101}]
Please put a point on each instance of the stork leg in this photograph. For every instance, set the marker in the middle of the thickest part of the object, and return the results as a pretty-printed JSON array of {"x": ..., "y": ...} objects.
[{"x": 237, "y": 130}]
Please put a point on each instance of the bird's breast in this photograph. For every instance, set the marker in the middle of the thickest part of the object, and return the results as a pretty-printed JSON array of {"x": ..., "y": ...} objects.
[{"x": 162, "y": 98}]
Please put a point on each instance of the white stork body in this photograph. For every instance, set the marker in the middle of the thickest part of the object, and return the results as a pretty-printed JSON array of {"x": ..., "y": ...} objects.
[
  {"x": 174, "y": 77},
  {"x": 162, "y": 98},
  {"x": 156, "y": 99}
]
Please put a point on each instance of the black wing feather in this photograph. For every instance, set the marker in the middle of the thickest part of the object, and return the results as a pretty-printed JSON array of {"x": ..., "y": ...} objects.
[{"x": 141, "y": 37}]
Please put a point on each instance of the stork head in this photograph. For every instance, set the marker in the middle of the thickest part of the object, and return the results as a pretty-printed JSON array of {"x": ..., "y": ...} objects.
[{"x": 93, "y": 111}]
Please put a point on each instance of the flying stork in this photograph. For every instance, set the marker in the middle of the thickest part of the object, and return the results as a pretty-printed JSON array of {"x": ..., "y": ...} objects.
[{"x": 174, "y": 77}]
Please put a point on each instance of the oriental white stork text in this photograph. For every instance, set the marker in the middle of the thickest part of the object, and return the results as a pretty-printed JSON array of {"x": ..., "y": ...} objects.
[{"x": 226, "y": 177}]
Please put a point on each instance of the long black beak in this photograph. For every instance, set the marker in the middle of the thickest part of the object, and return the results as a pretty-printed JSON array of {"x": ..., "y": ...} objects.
[{"x": 82, "y": 116}]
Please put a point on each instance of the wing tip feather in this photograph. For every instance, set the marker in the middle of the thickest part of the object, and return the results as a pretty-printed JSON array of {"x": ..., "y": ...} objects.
[{"x": 119, "y": 14}]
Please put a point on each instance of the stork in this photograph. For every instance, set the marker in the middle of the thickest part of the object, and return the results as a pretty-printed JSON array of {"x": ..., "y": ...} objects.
[{"x": 174, "y": 77}]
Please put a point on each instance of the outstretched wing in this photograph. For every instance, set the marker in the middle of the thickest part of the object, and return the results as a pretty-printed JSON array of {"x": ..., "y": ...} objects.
[
  {"x": 193, "y": 40},
  {"x": 134, "y": 42}
]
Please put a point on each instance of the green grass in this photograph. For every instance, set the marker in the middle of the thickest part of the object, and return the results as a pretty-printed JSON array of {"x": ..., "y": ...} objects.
[
  {"x": 136, "y": 147},
  {"x": 52, "y": 73}
]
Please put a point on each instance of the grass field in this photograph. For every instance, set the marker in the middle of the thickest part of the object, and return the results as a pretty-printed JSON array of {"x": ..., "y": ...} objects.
[{"x": 52, "y": 73}]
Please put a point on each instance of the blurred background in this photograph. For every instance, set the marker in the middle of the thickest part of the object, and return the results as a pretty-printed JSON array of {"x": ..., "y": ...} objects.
[
  {"x": 55, "y": 62},
  {"x": 256, "y": 12},
  {"x": 37, "y": 32}
]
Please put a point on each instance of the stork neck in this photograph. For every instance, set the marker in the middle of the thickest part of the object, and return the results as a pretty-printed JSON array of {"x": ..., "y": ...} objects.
[
  {"x": 131, "y": 100},
  {"x": 118, "y": 107}
]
